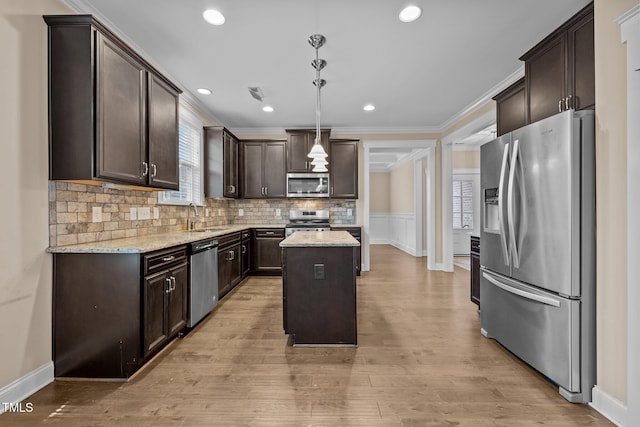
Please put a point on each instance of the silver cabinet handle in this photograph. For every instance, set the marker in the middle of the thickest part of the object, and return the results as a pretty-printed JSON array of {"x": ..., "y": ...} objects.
[
  {"x": 560, "y": 105},
  {"x": 244, "y": 249},
  {"x": 528, "y": 295},
  {"x": 168, "y": 258},
  {"x": 154, "y": 170},
  {"x": 266, "y": 191},
  {"x": 231, "y": 188},
  {"x": 567, "y": 102},
  {"x": 270, "y": 232},
  {"x": 173, "y": 283},
  {"x": 146, "y": 169},
  {"x": 232, "y": 255},
  {"x": 167, "y": 288}
]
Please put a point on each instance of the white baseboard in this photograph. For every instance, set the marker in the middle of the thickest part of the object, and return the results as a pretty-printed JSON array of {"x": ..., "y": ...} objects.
[
  {"x": 610, "y": 407},
  {"x": 24, "y": 387},
  {"x": 436, "y": 267}
]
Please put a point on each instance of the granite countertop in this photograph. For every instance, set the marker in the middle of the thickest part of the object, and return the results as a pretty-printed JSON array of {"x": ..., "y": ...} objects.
[
  {"x": 319, "y": 239},
  {"x": 153, "y": 242}
]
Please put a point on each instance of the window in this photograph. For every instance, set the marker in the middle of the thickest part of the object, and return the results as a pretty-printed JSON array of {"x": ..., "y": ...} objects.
[
  {"x": 190, "y": 158},
  {"x": 462, "y": 204}
]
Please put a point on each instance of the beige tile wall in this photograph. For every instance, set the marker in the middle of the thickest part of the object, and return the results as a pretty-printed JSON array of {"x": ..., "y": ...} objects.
[{"x": 71, "y": 212}]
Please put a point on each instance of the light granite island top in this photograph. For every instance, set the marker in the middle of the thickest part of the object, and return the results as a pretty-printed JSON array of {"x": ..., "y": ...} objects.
[{"x": 306, "y": 239}]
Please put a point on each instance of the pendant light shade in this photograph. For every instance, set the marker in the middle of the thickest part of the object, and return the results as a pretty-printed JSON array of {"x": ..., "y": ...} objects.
[{"x": 317, "y": 152}]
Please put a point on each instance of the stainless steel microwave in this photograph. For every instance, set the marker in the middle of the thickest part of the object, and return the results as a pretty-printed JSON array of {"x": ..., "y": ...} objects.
[{"x": 307, "y": 185}]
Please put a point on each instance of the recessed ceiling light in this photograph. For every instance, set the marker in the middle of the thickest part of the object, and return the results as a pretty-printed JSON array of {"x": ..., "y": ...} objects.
[
  {"x": 410, "y": 13},
  {"x": 369, "y": 107},
  {"x": 267, "y": 109},
  {"x": 204, "y": 91},
  {"x": 213, "y": 17}
]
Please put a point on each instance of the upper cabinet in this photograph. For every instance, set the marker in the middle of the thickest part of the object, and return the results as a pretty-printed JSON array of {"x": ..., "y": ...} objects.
[
  {"x": 299, "y": 143},
  {"x": 221, "y": 171},
  {"x": 264, "y": 167},
  {"x": 343, "y": 169},
  {"x": 511, "y": 113},
  {"x": 112, "y": 116},
  {"x": 559, "y": 71}
]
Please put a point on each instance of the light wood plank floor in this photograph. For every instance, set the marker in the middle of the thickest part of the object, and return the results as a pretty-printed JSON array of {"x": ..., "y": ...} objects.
[{"x": 421, "y": 361}]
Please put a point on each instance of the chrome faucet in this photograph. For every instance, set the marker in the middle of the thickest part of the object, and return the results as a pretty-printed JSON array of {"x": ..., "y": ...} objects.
[{"x": 190, "y": 224}]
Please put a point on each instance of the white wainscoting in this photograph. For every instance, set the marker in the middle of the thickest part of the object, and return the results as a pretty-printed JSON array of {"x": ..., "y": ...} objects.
[{"x": 398, "y": 230}]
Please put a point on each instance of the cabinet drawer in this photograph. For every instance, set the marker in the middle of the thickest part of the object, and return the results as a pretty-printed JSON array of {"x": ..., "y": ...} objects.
[
  {"x": 157, "y": 261},
  {"x": 228, "y": 239},
  {"x": 269, "y": 232}
]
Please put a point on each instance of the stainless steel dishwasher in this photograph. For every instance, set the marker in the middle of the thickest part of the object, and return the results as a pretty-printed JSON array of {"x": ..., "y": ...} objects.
[{"x": 203, "y": 271}]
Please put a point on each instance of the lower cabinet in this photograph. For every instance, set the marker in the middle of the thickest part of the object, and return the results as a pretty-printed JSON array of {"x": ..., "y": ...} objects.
[
  {"x": 229, "y": 263},
  {"x": 164, "y": 306},
  {"x": 113, "y": 311},
  {"x": 245, "y": 251},
  {"x": 266, "y": 257},
  {"x": 475, "y": 269}
]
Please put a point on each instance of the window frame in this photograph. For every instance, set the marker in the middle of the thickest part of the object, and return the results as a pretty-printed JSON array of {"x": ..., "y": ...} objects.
[
  {"x": 188, "y": 118},
  {"x": 462, "y": 212}
]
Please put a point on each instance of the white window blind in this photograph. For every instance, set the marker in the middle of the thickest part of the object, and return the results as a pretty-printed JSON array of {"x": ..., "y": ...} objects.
[
  {"x": 462, "y": 204},
  {"x": 190, "y": 159}
]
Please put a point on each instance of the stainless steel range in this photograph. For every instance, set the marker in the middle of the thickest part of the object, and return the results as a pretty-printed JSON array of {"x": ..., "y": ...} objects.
[{"x": 307, "y": 221}]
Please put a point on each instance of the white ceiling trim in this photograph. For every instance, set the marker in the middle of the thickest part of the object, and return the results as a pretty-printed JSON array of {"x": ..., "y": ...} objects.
[
  {"x": 415, "y": 155},
  {"x": 400, "y": 143},
  {"x": 469, "y": 129},
  {"x": 487, "y": 96}
]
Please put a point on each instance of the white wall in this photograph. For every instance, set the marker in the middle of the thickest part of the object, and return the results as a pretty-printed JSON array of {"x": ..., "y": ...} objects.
[{"x": 26, "y": 279}]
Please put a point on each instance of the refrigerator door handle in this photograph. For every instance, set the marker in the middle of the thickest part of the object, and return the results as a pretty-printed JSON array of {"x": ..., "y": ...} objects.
[
  {"x": 522, "y": 293},
  {"x": 501, "y": 224},
  {"x": 510, "y": 205}
]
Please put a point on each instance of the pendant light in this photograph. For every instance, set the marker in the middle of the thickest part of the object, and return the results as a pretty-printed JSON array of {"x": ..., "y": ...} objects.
[{"x": 317, "y": 153}]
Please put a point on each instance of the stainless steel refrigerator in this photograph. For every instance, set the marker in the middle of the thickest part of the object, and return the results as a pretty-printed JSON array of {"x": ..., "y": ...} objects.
[{"x": 537, "y": 285}]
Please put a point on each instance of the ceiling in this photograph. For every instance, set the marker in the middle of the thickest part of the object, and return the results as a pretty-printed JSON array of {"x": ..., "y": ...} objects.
[{"x": 421, "y": 76}]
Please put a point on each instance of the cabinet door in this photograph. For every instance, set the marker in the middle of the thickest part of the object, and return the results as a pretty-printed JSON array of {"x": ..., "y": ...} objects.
[
  {"x": 154, "y": 306},
  {"x": 121, "y": 115},
  {"x": 230, "y": 154},
  {"x": 297, "y": 149},
  {"x": 177, "y": 300},
  {"x": 545, "y": 76},
  {"x": 245, "y": 250},
  {"x": 582, "y": 87},
  {"x": 235, "y": 264},
  {"x": 511, "y": 110},
  {"x": 475, "y": 279},
  {"x": 224, "y": 282},
  {"x": 275, "y": 169},
  {"x": 252, "y": 170},
  {"x": 343, "y": 169},
  {"x": 163, "y": 135},
  {"x": 267, "y": 255}
]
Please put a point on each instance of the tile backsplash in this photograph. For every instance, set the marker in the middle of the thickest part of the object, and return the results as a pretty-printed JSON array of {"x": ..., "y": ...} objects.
[{"x": 72, "y": 219}]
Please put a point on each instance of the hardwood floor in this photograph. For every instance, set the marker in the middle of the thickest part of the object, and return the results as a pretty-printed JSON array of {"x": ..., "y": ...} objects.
[{"x": 421, "y": 361}]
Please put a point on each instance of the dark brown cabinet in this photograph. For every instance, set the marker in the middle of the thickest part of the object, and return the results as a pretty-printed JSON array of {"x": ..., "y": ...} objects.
[
  {"x": 475, "y": 269},
  {"x": 164, "y": 297},
  {"x": 266, "y": 258},
  {"x": 113, "y": 311},
  {"x": 511, "y": 110},
  {"x": 221, "y": 154},
  {"x": 245, "y": 253},
  {"x": 112, "y": 116},
  {"x": 299, "y": 143},
  {"x": 229, "y": 263},
  {"x": 264, "y": 169},
  {"x": 343, "y": 169},
  {"x": 559, "y": 71},
  {"x": 356, "y": 232}
]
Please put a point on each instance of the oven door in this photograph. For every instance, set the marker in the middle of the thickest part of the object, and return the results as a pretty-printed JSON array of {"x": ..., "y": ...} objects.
[{"x": 307, "y": 185}]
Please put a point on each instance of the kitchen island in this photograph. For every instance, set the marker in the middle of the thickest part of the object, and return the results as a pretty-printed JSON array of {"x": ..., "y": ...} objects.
[{"x": 319, "y": 288}]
